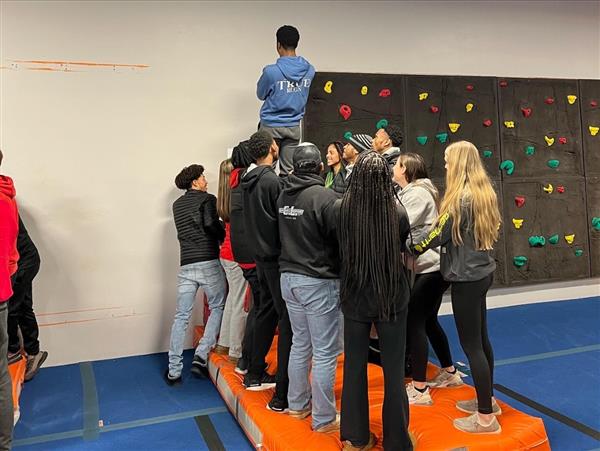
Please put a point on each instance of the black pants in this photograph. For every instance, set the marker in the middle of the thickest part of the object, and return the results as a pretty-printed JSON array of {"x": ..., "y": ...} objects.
[
  {"x": 252, "y": 278},
  {"x": 20, "y": 311},
  {"x": 271, "y": 313},
  {"x": 355, "y": 398},
  {"x": 469, "y": 307},
  {"x": 423, "y": 324}
]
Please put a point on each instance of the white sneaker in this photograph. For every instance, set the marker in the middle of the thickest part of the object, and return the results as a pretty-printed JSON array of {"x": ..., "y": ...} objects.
[
  {"x": 445, "y": 379},
  {"x": 417, "y": 398}
]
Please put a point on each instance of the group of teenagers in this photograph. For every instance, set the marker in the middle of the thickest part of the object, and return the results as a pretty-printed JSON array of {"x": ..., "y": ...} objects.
[{"x": 334, "y": 262}]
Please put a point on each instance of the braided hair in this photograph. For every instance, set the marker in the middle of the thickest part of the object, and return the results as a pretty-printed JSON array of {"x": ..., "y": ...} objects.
[{"x": 370, "y": 235}]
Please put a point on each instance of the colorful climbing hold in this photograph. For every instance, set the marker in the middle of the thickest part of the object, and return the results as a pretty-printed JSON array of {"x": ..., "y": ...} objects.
[
  {"x": 549, "y": 188},
  {"x": 469, "y": 87},
  {"x": 594, "y": 130},
  {"x": 518, "y": 223},
  {"x": 345, "y": 111},
  {"x": 578, "y": 252},
  {"x": 364, "y": 90},
  {"x": 562, "y": 140},
  {"x": 596, "y": 223},
  {"x": 571, "y": 99},
  {"x": 469, "y": 107},
  {"x": 553, "y": 163},
  {"x": 537, "y": 241},
  {"x": 385, "y": 93},
  {"x": 519, "y": 261},
  {"x": 423, "y": 96},
  {"x": 526, "y": 112},
  {"x": 503, "y": 83},
  {"x": 560, "y": 189},
  {"x": 422, "y": 140},
  {"x": 553, "y": 239},
  {"x": 509, "y": 124},
  {"x": 487, "y": 153},
  {"x": 328, "y": 87},
  {"x": 381, "y": 123},
  {"x": 570, "y": 238},
  {"x": 529, "y": 150},
  {"x": 487, "y": 123},
  {"x": 549, "y": 140},
  {"x": 508, "y": 165},
  {"x": 434, "y": 109},
  {"x": 549, "y": 100},
  {"x": 348, "y": 135},
  {"x": 453, "y": 126},
  {"x": 593, "y": 104},
  {"x": 442, "y": 137},
  {"x": 519, "y": 201}
]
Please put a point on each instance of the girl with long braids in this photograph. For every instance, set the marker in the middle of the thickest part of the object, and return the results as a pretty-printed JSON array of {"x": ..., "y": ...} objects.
[
  {"x": 467, "y": 228},
  {"x": 374, "y": 290}
]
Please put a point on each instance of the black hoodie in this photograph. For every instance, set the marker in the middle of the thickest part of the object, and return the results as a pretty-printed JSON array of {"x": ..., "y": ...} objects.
[
  {"x": 307, "y": 227},
  {"x": 261, "y": 189}
]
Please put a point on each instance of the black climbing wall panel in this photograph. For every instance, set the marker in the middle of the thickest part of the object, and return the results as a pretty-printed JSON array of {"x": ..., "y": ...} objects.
[
  {"x": 590, "y": 118},
  {"x": 593, "y": 223}
]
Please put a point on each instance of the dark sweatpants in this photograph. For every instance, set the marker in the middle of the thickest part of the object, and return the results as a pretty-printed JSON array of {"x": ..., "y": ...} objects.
[{"x": 20, "y": 310}]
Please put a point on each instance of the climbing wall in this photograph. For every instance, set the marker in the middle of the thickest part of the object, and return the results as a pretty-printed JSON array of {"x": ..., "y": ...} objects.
[{"x": 538, "y": 138}]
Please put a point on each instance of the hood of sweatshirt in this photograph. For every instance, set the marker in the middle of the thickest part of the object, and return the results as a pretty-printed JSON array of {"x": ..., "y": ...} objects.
[
  {"x": 293, "y": 68},
  {"x": 295, "y": 183},
  {"x": 421, "y": 183},
  {"x": 7, "y": 187},
  {"x": 253, "y": 174}
]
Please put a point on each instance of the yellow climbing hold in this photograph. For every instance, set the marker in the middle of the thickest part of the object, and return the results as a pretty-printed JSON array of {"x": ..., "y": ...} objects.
[
  {"x": 453, "y": 127},
  {"x": 571, "y": 98},
  {"x": 549, "y": 141},
  {"x": 594, "y": 130},
  {"x": 549, "y": 188},
  {"x": 364, "y": 90},
  {"x": 518, "y": 223},
  {"x": 423, "y": 96},
  {"x": 469, "y": 107},
  {"x": 328, "y": 86},
  {"x": 570, "y": 238},
  {"x": 509, "y": 124}
]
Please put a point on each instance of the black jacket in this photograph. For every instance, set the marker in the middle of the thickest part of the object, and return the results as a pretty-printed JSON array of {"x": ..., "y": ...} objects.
[
  {"x": 307, "y": 227},
  {"x": 340, "y": 182},
  {"x": 29, "y": 258},
  {"x": 240, "y": 240},
  {"x": 261, "y": 189},
  {"x": 458, "y": 263},
  {"x": 199, "y": 229}
]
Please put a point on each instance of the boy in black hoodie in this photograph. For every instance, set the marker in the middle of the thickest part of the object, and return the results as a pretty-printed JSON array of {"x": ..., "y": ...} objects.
[
  {"x": 261, "y": 189},
  {"x": 309, "y": 264}
]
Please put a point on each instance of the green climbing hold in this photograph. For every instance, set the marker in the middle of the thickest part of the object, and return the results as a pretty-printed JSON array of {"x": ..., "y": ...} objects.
[
  {"x": 537, "y": 241},
  {"x": 578, "y": 252},
  {"x": 487, "y": 154},
  {"x": 422, "y": 140},
  {"x": 553, "y": 164},
  {"x": 553, "y": 239},
  {"x": 508, "y": 165},
  {"x": 442, "y": 137},
  {"x": 348, "y": 135},
  {"x": 596, "y": 223},
  {"x": 519, "y": 261},
  {"x": 529, "y": 150},
  {"x": 382, "y": 123}
]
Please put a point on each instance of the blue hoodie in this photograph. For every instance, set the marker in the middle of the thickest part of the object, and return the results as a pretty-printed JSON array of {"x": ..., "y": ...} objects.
[{"x": 284, "y": 87}]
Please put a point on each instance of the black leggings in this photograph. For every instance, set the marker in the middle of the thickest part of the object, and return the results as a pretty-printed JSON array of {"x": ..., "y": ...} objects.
[
  {"x": 469, "y": 307},
  {"x": 425, "y": 301},
  {"x": 355, "y": 397}
]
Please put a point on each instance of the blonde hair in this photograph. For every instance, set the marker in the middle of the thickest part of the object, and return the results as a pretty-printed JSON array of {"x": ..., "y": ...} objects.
[
  {"x": 224, "y": 194},
  {"x": 468, "y": 184}
]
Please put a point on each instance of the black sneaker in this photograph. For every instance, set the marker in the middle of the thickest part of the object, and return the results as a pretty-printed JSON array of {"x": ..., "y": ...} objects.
[
  {"x": 259, "y": 383},
  {"x": 276, "y": 404},
  {"x": 241, "y": 367},
  {"x": 199, "y": 367},
  {"x": 170, "y": 380}
]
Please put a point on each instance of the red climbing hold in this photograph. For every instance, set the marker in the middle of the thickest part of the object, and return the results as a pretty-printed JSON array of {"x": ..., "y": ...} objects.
[
  {"x": 562, "y": 140},
  {"x": 434, "y": 109},
  {"x": 503, "y": 84},
  {"x": 519, "y": 201},
  {"x": 560, "y": 189},
  {"x": 385, "y": 93},
  {"x": 487, "y": 122},
  {"x": 593, "y": 104},
  {"x": 345, "y": 111},
  {"x": 526, "y": 112},
  {"x": 470, "y": 87},
  {"x": 549, "y": 100}
]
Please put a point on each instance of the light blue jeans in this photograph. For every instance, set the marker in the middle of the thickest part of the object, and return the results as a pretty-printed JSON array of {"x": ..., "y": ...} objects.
[
  {"x": 314, "y": 310},
  {"x": 210, "y": 277}
]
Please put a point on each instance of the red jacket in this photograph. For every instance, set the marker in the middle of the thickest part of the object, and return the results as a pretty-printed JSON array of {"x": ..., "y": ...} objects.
[{"x": 9, "y": 229}]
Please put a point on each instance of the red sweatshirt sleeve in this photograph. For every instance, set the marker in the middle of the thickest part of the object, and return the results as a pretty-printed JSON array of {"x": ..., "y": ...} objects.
[{"x": 9, "y": 229}]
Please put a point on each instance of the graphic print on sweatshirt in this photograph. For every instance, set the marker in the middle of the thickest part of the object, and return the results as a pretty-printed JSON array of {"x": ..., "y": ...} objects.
[{"x": 291, "y": 212}]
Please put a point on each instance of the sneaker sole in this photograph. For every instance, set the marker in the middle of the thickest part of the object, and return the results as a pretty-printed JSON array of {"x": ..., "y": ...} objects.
[
  {"x": 241, "y": 372},
  {"x": 33, "y": 373},
  {"x": 499, "y": 431},
  {"x": 277, "y": 411},
  {"x": 261, "y": 387},
  {"x": 299, "y": 415},
  {"x": 499, "y": 412},
  {"x": 424, "y": 404}
]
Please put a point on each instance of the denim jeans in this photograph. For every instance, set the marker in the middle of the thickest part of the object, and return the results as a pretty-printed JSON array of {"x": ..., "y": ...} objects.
[
  {"x": 313, "y": 306},
  {"x": 233, "y": 324},
  {"x": 210, "y": 277}
]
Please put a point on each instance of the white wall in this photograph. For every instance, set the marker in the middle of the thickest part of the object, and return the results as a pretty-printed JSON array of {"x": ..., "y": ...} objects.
[{"x": 94, "y": 153}]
